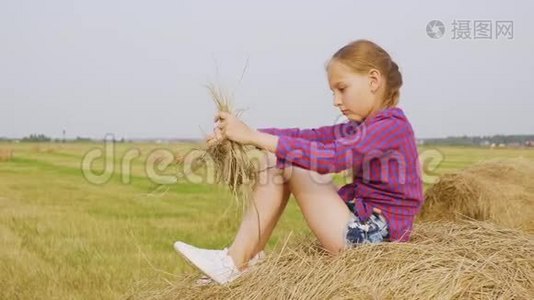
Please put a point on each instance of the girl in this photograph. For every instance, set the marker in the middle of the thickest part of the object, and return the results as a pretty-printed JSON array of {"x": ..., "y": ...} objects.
[{"x": 377, "y": 143}]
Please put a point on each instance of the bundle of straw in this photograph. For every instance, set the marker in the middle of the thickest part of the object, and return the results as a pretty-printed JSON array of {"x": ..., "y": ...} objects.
[{"x": 233, "y": 166}]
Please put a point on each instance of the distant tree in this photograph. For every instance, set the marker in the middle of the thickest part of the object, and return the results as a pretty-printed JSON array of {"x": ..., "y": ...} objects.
[
  {"x": 481, "y": 140},
  {"x": 33, "y": 138},
  {"x": 80, "y": 139}
]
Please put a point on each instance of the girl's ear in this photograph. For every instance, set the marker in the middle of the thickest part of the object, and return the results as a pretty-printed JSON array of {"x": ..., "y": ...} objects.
[{"x": 375, "y": 80}]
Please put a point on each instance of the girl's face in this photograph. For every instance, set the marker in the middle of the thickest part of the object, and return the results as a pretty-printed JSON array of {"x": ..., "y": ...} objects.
[{"x": 356, "y": 95}]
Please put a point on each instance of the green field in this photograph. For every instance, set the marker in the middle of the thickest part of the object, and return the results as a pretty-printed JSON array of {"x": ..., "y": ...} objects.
[{"x": 63, "y": 237}]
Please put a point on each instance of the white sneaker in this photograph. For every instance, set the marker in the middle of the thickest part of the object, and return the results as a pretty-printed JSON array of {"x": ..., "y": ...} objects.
[
  {"x": 206, "y": 280},
  {"x": 217, "y": 264}
]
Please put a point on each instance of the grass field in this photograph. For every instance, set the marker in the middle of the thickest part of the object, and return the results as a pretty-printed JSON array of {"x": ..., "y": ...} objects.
[{"x": 63, "y": 237}]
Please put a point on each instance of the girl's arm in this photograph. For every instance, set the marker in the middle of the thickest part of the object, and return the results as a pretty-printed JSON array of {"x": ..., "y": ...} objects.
[
  {"x": 373, "y": 140},
  {"x": 324, "y": 134}
]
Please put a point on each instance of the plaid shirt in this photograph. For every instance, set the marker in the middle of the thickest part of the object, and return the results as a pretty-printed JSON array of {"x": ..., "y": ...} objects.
[{"x": 382, "y": 154}]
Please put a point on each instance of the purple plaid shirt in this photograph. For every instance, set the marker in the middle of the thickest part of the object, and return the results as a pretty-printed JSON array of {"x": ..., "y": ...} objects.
[{"x": 382, "y": 153}]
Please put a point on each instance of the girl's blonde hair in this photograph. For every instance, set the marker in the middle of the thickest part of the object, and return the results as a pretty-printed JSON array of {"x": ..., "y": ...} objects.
[{"x": 362, "y": 56}]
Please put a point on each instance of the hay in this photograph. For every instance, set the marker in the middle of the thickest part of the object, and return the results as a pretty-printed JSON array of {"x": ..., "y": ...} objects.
[
  {"x": 233, "y": 166},
  {"x": 500, "y": 191},
  {"x": 445, "y": 260},
  {"x": 6, "y": 155}
]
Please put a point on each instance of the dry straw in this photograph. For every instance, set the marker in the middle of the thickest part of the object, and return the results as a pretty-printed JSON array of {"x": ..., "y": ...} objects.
[
  {"x": 466, "y": 259},
  {"x": 500, "y": 191},
  {"x": 231, "y": 162}
]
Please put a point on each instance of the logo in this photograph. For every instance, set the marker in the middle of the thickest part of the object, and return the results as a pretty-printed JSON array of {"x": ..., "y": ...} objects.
[{"x": 435, "y": 29}]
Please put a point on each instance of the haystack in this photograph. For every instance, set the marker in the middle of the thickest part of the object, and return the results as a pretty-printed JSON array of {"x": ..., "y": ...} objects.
[
  {"x": 6, "y": 155},
  {"x": 466, "y": 259},
  {"x": 500, "y": 191}
]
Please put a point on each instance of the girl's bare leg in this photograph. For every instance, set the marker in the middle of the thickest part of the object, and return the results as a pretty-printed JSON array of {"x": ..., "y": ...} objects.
[
  {"x": 324, "y": 210},
  {"x": 269, "y": 197}
]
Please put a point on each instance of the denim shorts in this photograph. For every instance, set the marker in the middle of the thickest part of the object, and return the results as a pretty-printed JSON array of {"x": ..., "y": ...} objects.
[{"x": 374, "y": 230}]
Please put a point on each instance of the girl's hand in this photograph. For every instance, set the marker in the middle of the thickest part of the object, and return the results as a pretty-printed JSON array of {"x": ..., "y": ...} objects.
[
  {"x": 234, "y": 129},
  {"x": 215, "y": 137}
]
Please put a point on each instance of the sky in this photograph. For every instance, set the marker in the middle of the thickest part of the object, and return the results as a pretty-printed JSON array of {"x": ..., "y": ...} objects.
[{"x": 138, "y": 69}]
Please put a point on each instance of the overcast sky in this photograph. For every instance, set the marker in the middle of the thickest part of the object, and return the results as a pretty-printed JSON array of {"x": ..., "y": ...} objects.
[{"x": 137, "y": 69}]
